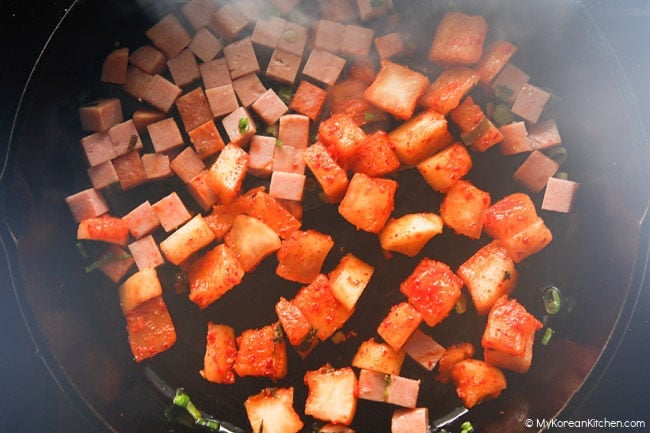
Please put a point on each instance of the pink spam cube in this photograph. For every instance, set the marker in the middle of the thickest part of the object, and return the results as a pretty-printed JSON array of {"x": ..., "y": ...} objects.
[
  {"x": 187, "y": 164},
  {"x": 544, "y": 135},
  {"x": 101, "y": 116},
  {"x": 240, "y": 58},
  {"x": 130, "y": 170},
  {"x": 339, "y": 10},
  {"x": 270, "y": 107},
  {"x": 115, "y": 66},
  {"x": 222, "y": 99},
  {"x": 165, "y": 135},
  {"x": 85, "y": 204},
  {"x": 389, "y": 45},
  {"x": 328, "y": 35},
  {"x": 201, "y": 191},
  {"x": 228, "y": 21},
  {"x": 148, "y": 59},
  {"x": 125, "y": 137},
  {"x": 137, "y": 82},
  {"x": 239, "y": 126},
  {"x": 357, "y": 41},
  {"x": 287, "y": 186},
  {"x": 161, "y": 93},
  {"x": 324, "y": 67},
  {"x": 515, "y": 138},
  {"x": 215, "y": 73},
  {"x": 169, "y": 35},
  {"x": 530, "y": 102},
  {"x": 184, "y": 68},
  {"x": 102, "y": 175},
  {"x": 294, "y": 38},
  {"x": 98, "y": 148},
  {"x": 248, "y": 89},
  {"x": 283, "y": 66},
  {"x": 267, "y": 33},
  {"x": 369, "y": 9},
  {"x": 423, "y": 349},
  {"x": 261, "y": 151},
  {"x": 205, "y": 45},
  {"x": 144, "y": 117},
  {"x": 145, "y": 252},
  {"x": 294, "y": 130},
  {"x": 509, "y": 82},
  {"x": 535, "y": 171},
  {"x": 559, "y": 195},
  {"x": 410, "y": 420},
  {"x": 198, "y": 12},
  {"x": 156, "y": 166},
  {"x": 288, "y": 159},
  {"x": 142, "y": 220},
  {"x": 171, "y": 212},
  {"x": 194, "y": 109}
]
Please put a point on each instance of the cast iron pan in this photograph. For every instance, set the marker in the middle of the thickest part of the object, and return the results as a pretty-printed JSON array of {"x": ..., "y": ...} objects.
[{"x": 597, "y": 257}]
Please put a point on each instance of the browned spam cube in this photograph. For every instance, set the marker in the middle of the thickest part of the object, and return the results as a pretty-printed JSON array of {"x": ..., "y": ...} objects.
[
  {"x": 187, "y": 164},
  {"x": 302, "y": 255},
  {"x": 410, "y": 420},
  {"x": 544, "y": 135},
  {"x": 509, "y": 83},
  {"x": 148, "y": 59},
  {"x": 169, "y": 35},
  {"x": 186, "y": 241},
  {"x": 85, "y": 204},
  {"x": 331, "y": 177},
  {"x": 369, "y": 9},
  {"x": 288, "y": 159},
  {"x": 368, "y": 202},
  {"x": 137, "y": 82},
  {"x": 102, "y": 175},
  {"x": 183, "y": 68},
  {"x": 559, "y": 195},
  {"x": 206, "y": 139},
  {"x": 515, "y": 138},
  {"x": 293, "y": 39},
  {"x": 339, "y": 10},
  {"x": 393, "y": 79},
  {"x": 332, "y": 395},
  {"x": 198, "y": 12},
  {"x": 328, "y": 35},
  {"x": 462, "y": 209},
  {"x": 213, "y": 274},
  {"x": 294, "y": 130},
  {"x": 205, "y": 45},
  {"x": 240, "y": 58},
  {"x": 488, "y": 274},
  {"x": 389, "y": 45},
  {"x": 165, "y": 135},
  {"x": 323, "y": 66},
  {"x": 283, "y": 66},
  {"x": 215, "y": 73},
  {"x": 357, "y": 41},
  {"x": 194, "y": 109},
  {"x": 262, "y": 353},
  {"x": 116, "y": 263},
  {"x": 239, "y": 126},
  {"x": 309, "y": 100},
  {"x": 201, "y": 192},
  {"x": 115, "y": 66},
  {"x": 161, "y": 93},
  {"x": 248, "y": 88},
  {"x": 269, "y": 106},
  {"x": 530, "y": 102},
  {"x": 477, "y": 381},
  {"x": 150, "y": 329},
  {"x": 459, "y": 39},
  {"x": 220, "y": 354},
  {"x": 145, "y": 253},
  {"x": 398, "y": 325},
  {"x": 228, "y": 22},
  {"x": 144, "y": 117},
  {"x": 171, "y": 212},
  {"x": 222, "y": 99},
  {"x": 495, "y": 57},
  {"x": 442, "y": 170},
  {"x": 535, "y": 171},
  {"x": 125, "y": 137},
  {"x": 227, "y": 173},
  {"x": 142, "y": 220},
  {"x": 287, "y": 186},
  {"x": 261, "y": 151},
  {"x": 98, "y": 148},
  {"x": 251, "y": 240},
  {"x": 156, "y": 166},
  {"x": 267, "y": 32},
  {"x": 423, "y": 349},
  {"x": 130, "y": 170},
  {"x": 101, "y": 116},
  {"x": 375, "y": 356}
]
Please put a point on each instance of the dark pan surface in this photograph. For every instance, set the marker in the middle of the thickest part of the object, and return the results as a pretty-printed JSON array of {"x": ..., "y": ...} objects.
[{"x": 594, "y": 259}]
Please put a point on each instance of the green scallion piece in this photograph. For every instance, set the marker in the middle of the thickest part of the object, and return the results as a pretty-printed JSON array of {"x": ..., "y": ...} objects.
[
  {"x": 502, "y": 115},
  {"x": 243, "y": 125},
  {"x": 286, "y": 94},
  {"x": 106, "y": 259},
  {"x": 466, "y": 427},
  {"x": 503, "y": 92},
  {"x": 182, "y": 400},
  {"x": 558, "y": 154},
  {"x": 279, "y": 143},
  {"x": 548, "y": 334},
  {"x": 552, "y": 300},
  {"x": 561, "y": 175}
]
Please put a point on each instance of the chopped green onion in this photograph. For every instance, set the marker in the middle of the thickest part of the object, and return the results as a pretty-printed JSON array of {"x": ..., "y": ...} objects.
[
  {"x": 243, "y": 125},
  {"x": 286, "y": 94},
  {"x": 466, "y": 427},
  {"x": 369, "y": 117},
  {"x": 387, "y": 380},
  {"x": 106, "y": 259},
  {"x": 272, "y": 130},
  {"x": 548, "y": 334},
  {"x": 182, "y": 400},
  {"x": 82, "y": 250},
  {"x": 470, "y": 137},
  {"x": 559, "y": 154},
  {"x": 502, "y": 115},
  {"x": 279, "y": 143},
  {"x": 503, "y": 92},
  {"x": 552, "y": 300},
  {"x": 561, "y": 175}
]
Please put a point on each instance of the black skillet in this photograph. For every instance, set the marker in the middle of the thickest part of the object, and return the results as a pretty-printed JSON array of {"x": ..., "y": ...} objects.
[{"x": 597, "y": 258}]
